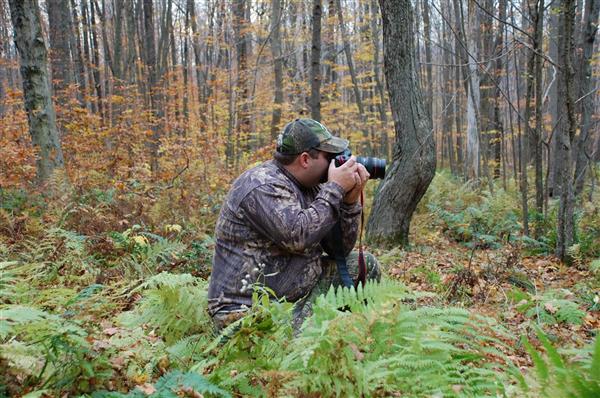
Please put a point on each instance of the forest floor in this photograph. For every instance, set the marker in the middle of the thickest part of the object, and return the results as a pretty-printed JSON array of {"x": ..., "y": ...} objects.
[
  {"x": 488, "y": 281},
  {"x": 82, "y": 309}
]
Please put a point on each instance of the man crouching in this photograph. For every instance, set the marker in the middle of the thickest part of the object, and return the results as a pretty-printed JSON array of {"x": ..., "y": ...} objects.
[{"x": 276, "y": 224}]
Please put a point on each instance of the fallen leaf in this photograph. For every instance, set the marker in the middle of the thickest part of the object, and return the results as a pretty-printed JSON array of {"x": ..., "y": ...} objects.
[
  {"x": 146, "y": 388},
  {"x": 111, "y": 331},
  {"x": 549, "y": 307}
]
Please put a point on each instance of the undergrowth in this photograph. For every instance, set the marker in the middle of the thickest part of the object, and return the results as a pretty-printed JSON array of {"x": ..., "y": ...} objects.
[
  {"x": 480, "y": 218},
  {"x": 101, "y": 297}
]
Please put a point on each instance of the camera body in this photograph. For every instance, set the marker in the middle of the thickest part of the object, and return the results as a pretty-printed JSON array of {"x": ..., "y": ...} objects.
[{"x": 375, "y": 166}]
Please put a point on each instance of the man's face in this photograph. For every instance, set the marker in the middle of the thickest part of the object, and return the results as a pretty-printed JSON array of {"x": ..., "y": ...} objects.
[{"x": 319, "y": 167}]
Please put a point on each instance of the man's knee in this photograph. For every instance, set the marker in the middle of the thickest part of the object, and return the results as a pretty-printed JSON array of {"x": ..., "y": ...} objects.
[
  {"x": 373, "y": 268},
  {"x": 223, "y": 319}
]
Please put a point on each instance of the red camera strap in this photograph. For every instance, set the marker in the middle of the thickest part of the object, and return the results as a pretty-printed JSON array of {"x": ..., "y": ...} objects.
[{"x": 362, "y": 266}]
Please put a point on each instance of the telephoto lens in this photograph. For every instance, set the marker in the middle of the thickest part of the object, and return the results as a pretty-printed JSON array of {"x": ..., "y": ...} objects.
[{"x": 375, "y": 166}]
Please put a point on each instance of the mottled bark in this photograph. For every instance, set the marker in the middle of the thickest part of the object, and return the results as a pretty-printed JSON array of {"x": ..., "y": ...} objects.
[
  {"x": 25, "y": 16},
  {"x": 565, "y": 233},
  {"x": 413, "y": 165},
  {"x": 315, "y": 62}
]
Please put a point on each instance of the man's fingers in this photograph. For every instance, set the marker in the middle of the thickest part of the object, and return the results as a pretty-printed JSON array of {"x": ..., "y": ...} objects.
[
  {"x": 350, "y": 162},
  {"x": 364, "y": 174}
]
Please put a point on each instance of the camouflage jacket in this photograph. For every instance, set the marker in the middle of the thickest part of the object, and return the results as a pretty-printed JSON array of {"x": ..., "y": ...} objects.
[{"x": 272, "y": 230}]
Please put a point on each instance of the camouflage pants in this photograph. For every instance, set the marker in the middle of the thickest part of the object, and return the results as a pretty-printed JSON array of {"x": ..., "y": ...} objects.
[
  {"x": 330, "y": 276},
  {"x": 303, "y": 307}
]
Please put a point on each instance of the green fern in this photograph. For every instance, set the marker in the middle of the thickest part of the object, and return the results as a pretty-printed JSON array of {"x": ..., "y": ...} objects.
[
  {"x": 147, "y": 259},
  {"x": 555, "y": 306},
  {"x": 173, "y": 385},
  {"x": 557, "y": 376},
  {"x": 175, "y": 304},
  {"x": 360, "y": 343},
  {"x": 385, "y": 346},
  {"x": 47, "y": 349}
]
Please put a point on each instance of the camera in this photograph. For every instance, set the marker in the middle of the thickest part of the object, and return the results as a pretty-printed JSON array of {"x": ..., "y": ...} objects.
[{"x": 375, "y": 166}]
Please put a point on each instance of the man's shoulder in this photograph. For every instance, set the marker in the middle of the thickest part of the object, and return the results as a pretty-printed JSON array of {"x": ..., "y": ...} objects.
[
  {"x": 266, "y": 173},
  {"x": 263, "y": 173}
]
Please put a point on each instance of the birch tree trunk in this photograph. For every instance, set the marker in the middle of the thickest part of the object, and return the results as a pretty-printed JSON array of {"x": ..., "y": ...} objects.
[
  {"x": 29, "y": 40},
  {"x": 413, "y": 165}
]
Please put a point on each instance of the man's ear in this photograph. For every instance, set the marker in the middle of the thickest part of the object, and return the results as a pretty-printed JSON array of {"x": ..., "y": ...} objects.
[{"x": 303, "y": 159}]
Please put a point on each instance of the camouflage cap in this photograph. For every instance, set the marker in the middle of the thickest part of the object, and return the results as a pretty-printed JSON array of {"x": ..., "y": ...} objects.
[{"x": 301, "y": 135}]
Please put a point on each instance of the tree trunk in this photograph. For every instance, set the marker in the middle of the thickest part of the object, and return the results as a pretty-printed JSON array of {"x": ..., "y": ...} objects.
[
  {"x": 413, "y": 163},
  {"x": 498, "y": 135},
  {"x": 59, "y": 24},
  {"x": 472, "y": 159},
  {"x": 152, "y": 72},
  {"x": 41, "y": 117},
  {"x": 96, "y": 66},
  {"x": 428, "y": 66},
  {"x": 556, "y": 105},
  {"x": 276, "y": 20},
  {"x": 201, "y": 81},
  {"x": 538, "y": 131},
  {"x": 486, "y": 113},
  {"x": 315, "y": 62},
  {"x": 118, "y": 41},
  {"x": 240, "y": 27},
  {"x": 448, "y": 100},
  {"x": 586, "y": 84},
  {"x": 525, "y": 141},
  {"x": 565, "y": 233},
  {"x": 80, "y": 62},
  {"x": 461, "y": 84},
  {"x": 366, "y": 145},
  {"x": 382, "y": 104}
]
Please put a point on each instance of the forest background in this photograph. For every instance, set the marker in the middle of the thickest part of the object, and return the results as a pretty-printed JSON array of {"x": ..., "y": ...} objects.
[{"x": 123, "y": 123}]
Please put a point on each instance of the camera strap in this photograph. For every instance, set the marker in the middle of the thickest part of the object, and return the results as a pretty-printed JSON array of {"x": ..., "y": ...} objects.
[
  {"x": 338, "y": 256},
  {"x": 340, "y": 259},
  {"x": 362, "y": 265}
]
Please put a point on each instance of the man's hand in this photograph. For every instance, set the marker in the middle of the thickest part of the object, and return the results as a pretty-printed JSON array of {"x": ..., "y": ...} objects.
[
  {"x": 361, "y": 177},
  {"x": 345, "y": 175}
]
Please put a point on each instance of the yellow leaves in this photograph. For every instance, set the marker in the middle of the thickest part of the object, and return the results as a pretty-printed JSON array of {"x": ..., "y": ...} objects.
[
  {"x": 173, "y": 228},
  {"x": 140, "y": 240},
  {"x": 140, "y": 379}
]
